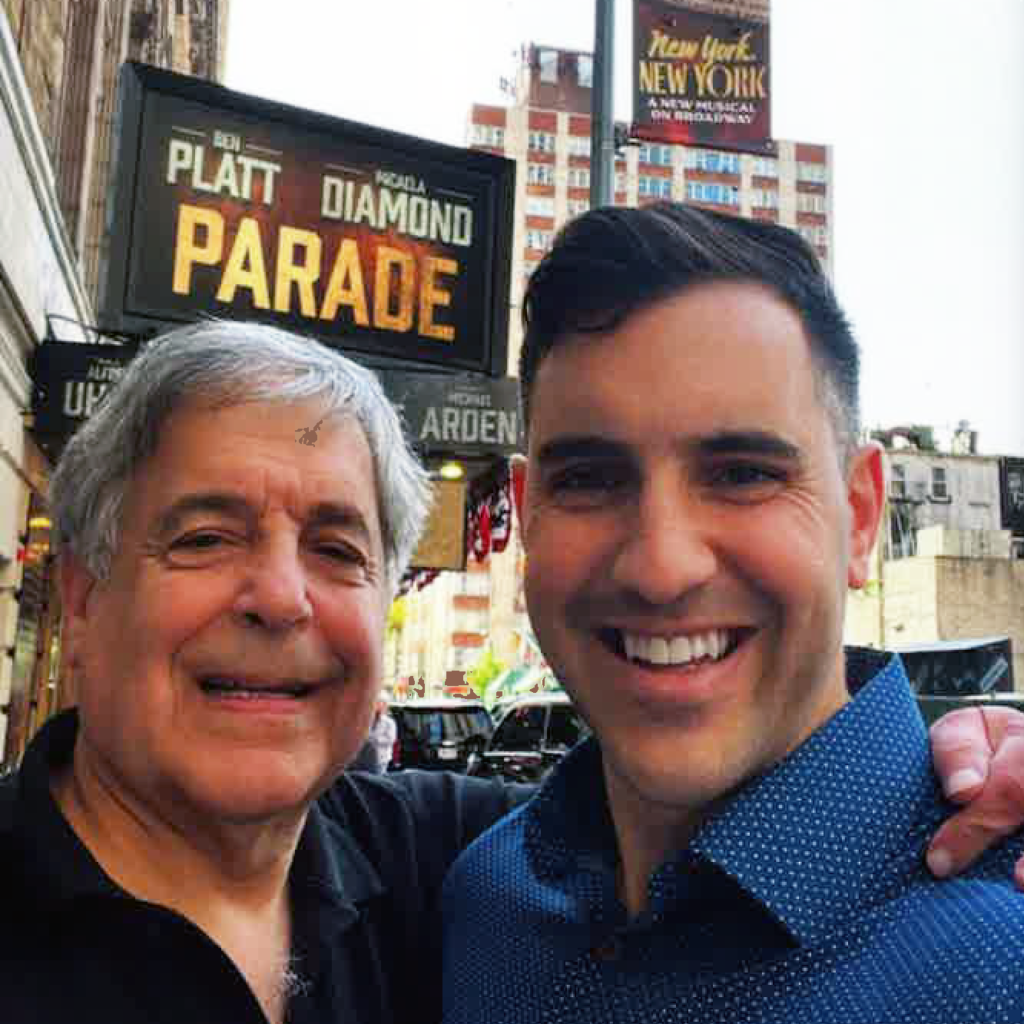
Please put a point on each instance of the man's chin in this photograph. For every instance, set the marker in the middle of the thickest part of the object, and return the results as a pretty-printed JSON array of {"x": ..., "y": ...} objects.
[{"x": 260, "y": 791}]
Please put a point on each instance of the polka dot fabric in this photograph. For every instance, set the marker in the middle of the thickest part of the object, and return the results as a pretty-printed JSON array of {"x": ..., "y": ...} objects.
[{"x": 805, "y": 900}]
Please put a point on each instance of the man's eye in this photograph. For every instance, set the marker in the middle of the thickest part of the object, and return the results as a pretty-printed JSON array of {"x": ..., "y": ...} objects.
[
  {"x": 748, "y": 475},
  {"x": 587, "y": 481},
  {"x": 198, "y": 548},
  {"x": 197, "y": 542},
  {"x": 343, "y": 554}
]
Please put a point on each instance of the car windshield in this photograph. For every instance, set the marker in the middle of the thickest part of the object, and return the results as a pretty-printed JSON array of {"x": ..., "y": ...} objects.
[
  {"x": 565, "y": 729},
  {"x": 522, "y": 729},
  {"x": 431, "y": 725}
]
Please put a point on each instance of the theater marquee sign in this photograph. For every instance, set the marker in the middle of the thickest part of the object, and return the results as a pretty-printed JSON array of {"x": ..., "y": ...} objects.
[{"x": 373, "y": 242}]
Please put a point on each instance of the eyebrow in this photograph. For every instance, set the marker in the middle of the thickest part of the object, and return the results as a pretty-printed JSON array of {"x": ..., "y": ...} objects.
[
  {"x": 332, "y": 513},
  {"x": 725, "y": 442},
  {"x": 579, "y": 446},
  {"x": 205, "y": 501},
  {"x": 749, "y": 442},
  {"x": 325, "y": 513}
]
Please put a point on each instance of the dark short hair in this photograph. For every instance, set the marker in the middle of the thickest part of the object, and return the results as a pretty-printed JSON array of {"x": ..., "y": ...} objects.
[{"x": 613, "y": 261}]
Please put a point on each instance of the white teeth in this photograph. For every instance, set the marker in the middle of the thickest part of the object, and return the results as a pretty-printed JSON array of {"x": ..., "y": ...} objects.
[
  {"x": 678, "y": 650},
  {"x": 681, "y": 649},
  {"x": 657, "y": 650}
]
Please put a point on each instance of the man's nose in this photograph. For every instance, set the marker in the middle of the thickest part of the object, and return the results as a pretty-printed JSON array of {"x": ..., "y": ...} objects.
[
  {"x": 275, "y": 591},
  {"x": 668, "y": 550}
]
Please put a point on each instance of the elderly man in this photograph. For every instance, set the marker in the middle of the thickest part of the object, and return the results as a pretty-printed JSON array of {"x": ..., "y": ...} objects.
[
  {"x": 743, "y": 838},
  {"x": 163, "y": 852},
  {"x": 175, "y": 850}
]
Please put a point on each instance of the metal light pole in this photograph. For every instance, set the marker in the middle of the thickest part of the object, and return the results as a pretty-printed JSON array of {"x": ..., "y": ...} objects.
[{"x": 602, "y": 124}]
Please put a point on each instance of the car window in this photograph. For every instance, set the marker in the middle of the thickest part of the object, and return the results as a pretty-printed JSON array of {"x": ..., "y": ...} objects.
[
  {"x": 423, "y": 724},
  {"x": 459, "y": 725},
  {"x": 521, "y": 729},
  {"x": 432, "y": 726},
  {"x": 565, "y": 729}
]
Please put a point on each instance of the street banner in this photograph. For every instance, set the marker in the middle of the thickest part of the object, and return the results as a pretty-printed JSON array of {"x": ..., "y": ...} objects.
[
  {"x": 700, "y": 77},
  {"x": 370, "y": 241}
]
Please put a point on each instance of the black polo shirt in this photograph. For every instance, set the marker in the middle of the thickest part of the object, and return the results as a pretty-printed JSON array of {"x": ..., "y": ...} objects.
[{"x": 75, "y": 947}]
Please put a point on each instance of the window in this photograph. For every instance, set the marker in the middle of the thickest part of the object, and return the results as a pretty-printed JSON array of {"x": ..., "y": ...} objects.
[
  {"x": 461, "y": 658},
  {"x": 578, "y": 206},
  {"x": 810, "y": 203},
  {"x": 470, "y": 620},
  {"x": 812, "y": 172},
  {"x": 659, "y": 187},
  {"x": 816, "y": 234},
  {"x": 579, "y": 145},
  {"x": 521, "y": 729},
  {"x": 661, "y": 156},
  {"x": 478, "y": 583},
  {"x": 710, "y": 160},
  {"x": 540, "y": 206},
  {"x": 704, "y": 192},
  {"x": 542, "y": 142},
  {"x": 540, "y": 174},
  {"x": 536, "y": 239},
  {"x": 939, "y": 488},
  {"x": 488, "y": 135},
  {"x": 565, "y": 728},
  {"x": 548, "y": 60},
  {"x": 767, "y": 198},
  {"x": 899, "y": 481},
  {"x": 579, "y": 177},
  {"x": 766, "y": 167},
  {"x": 585, "y": 70}
]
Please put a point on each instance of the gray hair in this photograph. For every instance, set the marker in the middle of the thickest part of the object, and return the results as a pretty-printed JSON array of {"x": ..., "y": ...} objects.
[{"x": 224, "y": 363}]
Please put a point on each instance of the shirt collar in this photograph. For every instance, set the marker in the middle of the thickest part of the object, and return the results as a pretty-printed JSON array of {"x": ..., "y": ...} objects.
[
  {"x": 809, "y": 839},
  {"x": 329, "y": 873}
]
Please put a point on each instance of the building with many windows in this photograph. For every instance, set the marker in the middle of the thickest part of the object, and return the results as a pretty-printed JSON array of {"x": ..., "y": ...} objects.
[
  {"x": 947, "y": 567},
  {"x": 546, "y": 130},
  {"x": 59, "y": 61}
]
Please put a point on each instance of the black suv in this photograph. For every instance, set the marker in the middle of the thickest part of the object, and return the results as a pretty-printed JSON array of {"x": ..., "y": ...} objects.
[
  {"x": 531, "y": 737},
  {"x": 439, "y": 733}
]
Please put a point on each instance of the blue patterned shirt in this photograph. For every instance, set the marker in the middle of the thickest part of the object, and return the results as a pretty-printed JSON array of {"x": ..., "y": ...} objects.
[{"x": 806, "y": 899}]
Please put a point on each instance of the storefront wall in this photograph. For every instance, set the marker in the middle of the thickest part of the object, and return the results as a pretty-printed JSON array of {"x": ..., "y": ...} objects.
[{"x": 38, "y": 279}]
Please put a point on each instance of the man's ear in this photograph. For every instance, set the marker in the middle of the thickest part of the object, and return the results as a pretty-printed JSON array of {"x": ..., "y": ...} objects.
[
  {"x": 866, "y": 495},
  {"x": 76, "y": 585}
]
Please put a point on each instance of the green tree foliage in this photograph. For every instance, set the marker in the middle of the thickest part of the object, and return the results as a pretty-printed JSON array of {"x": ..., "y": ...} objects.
[
  {"x": 397, "y": 615},
  {"x": 486, "y": 668}
]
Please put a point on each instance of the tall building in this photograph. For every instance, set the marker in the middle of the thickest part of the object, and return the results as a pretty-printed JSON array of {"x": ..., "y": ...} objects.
[
  {"x": 546, "y": 130},
  {"x": 59, "y": 61}
]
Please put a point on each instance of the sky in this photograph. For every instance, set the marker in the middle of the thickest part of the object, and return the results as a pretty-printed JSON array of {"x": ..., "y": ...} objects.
[{"x": 921, "y": 100}]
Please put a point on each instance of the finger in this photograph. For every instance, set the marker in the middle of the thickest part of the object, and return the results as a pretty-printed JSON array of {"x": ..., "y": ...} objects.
[
  {"x": 995, "y": 813},
  {"x": 961, "y": 750}
]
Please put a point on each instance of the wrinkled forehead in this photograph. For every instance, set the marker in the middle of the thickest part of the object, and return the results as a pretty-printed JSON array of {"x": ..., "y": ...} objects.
[{"x": 299, "y": 450}]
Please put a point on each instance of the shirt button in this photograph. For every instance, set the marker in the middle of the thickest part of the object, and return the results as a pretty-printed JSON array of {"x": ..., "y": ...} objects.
[{"x": 610, "y": 949}]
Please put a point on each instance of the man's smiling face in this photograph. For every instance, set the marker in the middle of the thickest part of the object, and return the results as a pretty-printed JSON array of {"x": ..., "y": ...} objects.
[
  {"x": 229, "y": 664},
  {"x": 690, "y": 531}
]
